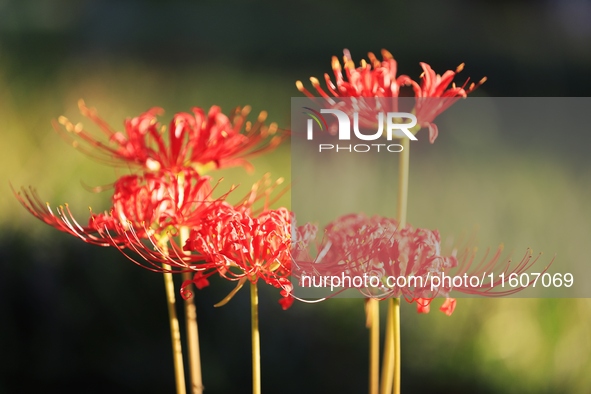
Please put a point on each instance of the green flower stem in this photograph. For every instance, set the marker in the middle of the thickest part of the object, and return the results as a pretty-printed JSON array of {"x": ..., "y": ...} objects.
[
  {"x": 394, "y": 305},
  {"x": 387, "y": 364},
  {"x": 373, "y": 311},
  {"x": 175, "y": 333},
  {"x": 192, "y": 330},
  {"x": 403, "y": 170},
  {"x": 256, "y": 340},
  {"x": 394, "y": 310},
  {"x": 391, "y": 365}
]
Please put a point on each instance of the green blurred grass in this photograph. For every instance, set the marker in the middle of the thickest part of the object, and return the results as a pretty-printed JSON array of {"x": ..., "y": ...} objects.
[{"x": 521, "y": 199}]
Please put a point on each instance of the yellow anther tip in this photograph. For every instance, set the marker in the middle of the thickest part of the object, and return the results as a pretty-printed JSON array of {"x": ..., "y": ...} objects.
[
  {"x": 336, "y": 65},
  {"x": 262, "y": 116}
]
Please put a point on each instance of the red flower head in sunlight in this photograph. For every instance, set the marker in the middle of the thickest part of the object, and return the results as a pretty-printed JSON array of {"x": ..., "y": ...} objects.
[
  {"x": 433, "y": 95},
  {"x": 146, "y": 210},
  {"x": 196, "y": 139},
  {"x": 158, "y": 201},
  {"x": 244, "y": 247},
  {"x": 358, "y": 246},
  {"x": 377, "y": 81},
  {"x": 374, "y": 79},
  {"x": 149, "y": 210},
  {"x": 404, "y": 261}
]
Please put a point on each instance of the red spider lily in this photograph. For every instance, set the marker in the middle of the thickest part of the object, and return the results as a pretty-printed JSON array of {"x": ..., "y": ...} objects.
[
  {"x": 244, "y": 247},
  {"x": 378, "y": 80},
  {"x": 62, "y": 219},
  {"x": 433, "y": 95},
  {"x": 147, "y": 212},
  {"x": 159, "y": 201},
  {"x": 359, "y": 246},
  {"x": 407, "y": 261},
  {"x": 380, "y": 246},
  {"x": 197, "y": 140}
]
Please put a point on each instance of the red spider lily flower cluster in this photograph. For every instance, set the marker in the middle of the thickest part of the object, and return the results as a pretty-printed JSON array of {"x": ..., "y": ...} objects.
[
  {"x": 243, "y": 246},
  {"x": 184, "y": 203},
  {"x": 198, "y": 140},
  {"x": 146, "y": 204},
  {"x": 378, "y": 79},
  {"x": 433, "y": 95},
  {"x": 161, "y": 200},
  {"x": 169, "y": 194},
  {"x": 359, "y": 246}
]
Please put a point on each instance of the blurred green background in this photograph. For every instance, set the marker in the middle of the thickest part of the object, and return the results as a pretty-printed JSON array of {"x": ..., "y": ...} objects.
[{"x": 78, "y": 317}]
